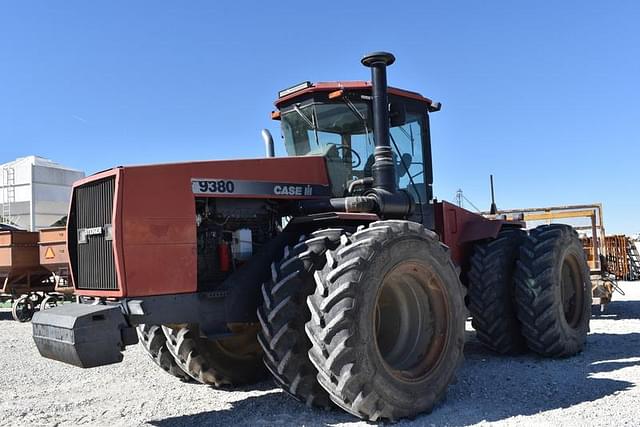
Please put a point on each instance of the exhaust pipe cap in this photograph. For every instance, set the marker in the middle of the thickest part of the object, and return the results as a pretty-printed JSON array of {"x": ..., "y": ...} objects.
[{"x": 374, "y": 58}]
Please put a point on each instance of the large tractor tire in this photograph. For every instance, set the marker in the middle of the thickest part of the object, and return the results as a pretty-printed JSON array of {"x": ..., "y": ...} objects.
[
  {"x": 153, "y": 340},
  {"x": 231, "y": 361},
  {"x": 491, "y": 292},
  {"x": 553, "y": 291},
  {"x": 387, "y": 321},
  {"x": 284, "y": 313}
]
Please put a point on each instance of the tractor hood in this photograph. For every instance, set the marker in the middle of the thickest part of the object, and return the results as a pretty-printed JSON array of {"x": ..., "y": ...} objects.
[
  {"x": 146, "y": 215},
  {"x": 276, "y": 177}
]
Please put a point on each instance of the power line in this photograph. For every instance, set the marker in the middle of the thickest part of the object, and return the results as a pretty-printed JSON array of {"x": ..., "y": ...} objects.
[
  {"x": 474, "y": 206},
  {"x": 460, "y": 197}
]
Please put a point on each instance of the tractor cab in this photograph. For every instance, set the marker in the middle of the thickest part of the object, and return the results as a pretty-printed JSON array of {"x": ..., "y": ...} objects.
[{"x": 334, "y": 119}]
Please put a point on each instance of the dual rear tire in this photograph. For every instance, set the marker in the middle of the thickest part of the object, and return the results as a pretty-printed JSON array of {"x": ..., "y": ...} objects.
[
  {"x": 491, "y": 293},
  {"x": 553, "y": 291},
  {"x": 531, "y": 292}
]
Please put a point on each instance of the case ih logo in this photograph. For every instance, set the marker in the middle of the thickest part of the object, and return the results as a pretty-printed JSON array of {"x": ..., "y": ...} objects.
[
  {"x": 257, "y": 188},
  {"x": 293, "y": 190}
]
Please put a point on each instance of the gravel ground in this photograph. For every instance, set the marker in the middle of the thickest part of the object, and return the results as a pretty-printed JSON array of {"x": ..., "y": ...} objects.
[{"x": 597, "y": 387}]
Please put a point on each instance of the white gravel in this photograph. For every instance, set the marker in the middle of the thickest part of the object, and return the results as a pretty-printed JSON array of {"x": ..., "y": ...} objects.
[{"x": 597, "y": 387}]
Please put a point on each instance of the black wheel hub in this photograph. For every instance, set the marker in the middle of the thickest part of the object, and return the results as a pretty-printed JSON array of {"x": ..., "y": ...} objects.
[{"x": 572, "y": 290}]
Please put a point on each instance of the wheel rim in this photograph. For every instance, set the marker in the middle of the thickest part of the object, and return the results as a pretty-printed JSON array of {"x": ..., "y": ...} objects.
[
  {"x": 240, "y": 346},
  {"x": 572, "y": 290},
  {"x": 35, "y": 298},
  {"x": 411, "y": 321},
  {"x": 24, "y": 309},
  {"x": 48, "y": 302}
]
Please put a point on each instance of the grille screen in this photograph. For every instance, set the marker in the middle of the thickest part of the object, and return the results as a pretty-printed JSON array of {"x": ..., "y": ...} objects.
[{"x": 94, "y": 260}]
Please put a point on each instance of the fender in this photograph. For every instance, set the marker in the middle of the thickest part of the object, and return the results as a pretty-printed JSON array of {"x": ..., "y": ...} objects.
[{"x": 458, "y": 228}]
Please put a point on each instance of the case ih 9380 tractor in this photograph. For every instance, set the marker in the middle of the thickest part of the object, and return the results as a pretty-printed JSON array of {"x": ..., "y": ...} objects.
[{"x": 333, "y": 267}]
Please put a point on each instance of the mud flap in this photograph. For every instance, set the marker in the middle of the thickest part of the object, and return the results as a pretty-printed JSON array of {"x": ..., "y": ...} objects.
[{"x": 82, "y": 335}]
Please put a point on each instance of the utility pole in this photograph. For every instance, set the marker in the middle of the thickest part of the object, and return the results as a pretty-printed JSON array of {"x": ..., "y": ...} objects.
[{"x": 459, "y": 197}]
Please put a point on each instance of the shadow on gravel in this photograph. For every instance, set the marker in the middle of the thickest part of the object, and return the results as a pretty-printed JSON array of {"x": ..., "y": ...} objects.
[
  {"x": 489, "y": 388},
  {"x": 6, "y": 315},
  {"x": 618, "y": 310},
  {"x": 264, "y": 385},
  {"x": 492, "y": 388},
  {"x": 274, "y": 408}
]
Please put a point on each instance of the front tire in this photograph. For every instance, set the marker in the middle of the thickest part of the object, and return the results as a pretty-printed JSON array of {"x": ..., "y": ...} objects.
[
  {"x": 553, "y": 291},
  {"x": 284, "y": 312},
  {"x": 153, "y": 340},
  {"x": 231, "y": 361},
  {"x": 387, "y": 321}
]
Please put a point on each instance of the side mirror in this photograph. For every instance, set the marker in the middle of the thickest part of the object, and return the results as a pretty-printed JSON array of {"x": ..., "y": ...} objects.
[{"x": 435, "y": 106}]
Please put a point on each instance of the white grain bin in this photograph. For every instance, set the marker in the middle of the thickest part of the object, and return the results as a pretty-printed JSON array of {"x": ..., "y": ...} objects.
[{"x": 35, "y": 192}]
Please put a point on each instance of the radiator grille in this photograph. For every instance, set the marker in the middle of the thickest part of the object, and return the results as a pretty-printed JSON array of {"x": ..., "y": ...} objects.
[{"x": 94, "y": 261}]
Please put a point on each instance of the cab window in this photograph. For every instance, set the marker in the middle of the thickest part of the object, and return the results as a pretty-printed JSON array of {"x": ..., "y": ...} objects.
[{"x": 406, "y": 140}]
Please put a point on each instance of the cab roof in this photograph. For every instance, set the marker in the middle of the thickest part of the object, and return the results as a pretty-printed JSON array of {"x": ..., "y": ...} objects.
[{"x": 308, "y": 88}]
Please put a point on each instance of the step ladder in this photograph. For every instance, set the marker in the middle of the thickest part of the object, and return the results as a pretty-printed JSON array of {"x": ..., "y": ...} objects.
[
  {"x": 634, "y": 260},
  {"x": 9, "y": 193}
]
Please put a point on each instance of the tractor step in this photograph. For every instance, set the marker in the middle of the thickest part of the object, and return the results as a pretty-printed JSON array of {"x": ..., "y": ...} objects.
[{"x": 83, "y": 335}]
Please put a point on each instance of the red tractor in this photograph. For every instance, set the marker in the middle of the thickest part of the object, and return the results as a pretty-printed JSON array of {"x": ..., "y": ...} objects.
[{"x": 334, "y": 267}]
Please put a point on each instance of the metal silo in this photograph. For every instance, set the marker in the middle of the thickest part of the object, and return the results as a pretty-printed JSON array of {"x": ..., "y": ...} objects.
[{"x": 35, "y": 192}]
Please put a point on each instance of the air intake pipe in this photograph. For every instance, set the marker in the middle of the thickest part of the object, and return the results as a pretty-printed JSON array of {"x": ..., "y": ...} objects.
[
  {"x": 268, "y": 143},
  {"x": 384, "y": 198}
]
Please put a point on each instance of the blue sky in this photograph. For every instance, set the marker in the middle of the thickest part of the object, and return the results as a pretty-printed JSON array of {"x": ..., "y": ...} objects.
[{"x": 544, "y": 95}]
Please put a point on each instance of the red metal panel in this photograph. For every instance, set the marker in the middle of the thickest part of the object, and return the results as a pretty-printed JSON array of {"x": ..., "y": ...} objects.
[
  {"x": 350, "y": 85},
  {"x": 18, "y": 251},
  {"x": 458, "y": 228},
  {"x": 20, "y": 269},
  {"x": 154, "y": 217},
  {"x": 53, "y": 248}
]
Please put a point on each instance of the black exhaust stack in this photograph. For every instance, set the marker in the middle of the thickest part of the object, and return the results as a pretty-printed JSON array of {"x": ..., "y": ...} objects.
[{"x": 383, "y": 170}]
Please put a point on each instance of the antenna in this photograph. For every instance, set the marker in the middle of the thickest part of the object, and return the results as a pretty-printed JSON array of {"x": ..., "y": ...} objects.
[{"x": 494, "y": 208}]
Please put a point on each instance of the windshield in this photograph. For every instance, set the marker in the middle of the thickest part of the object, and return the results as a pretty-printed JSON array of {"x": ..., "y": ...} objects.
[{"x": 341, "y": 131}]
